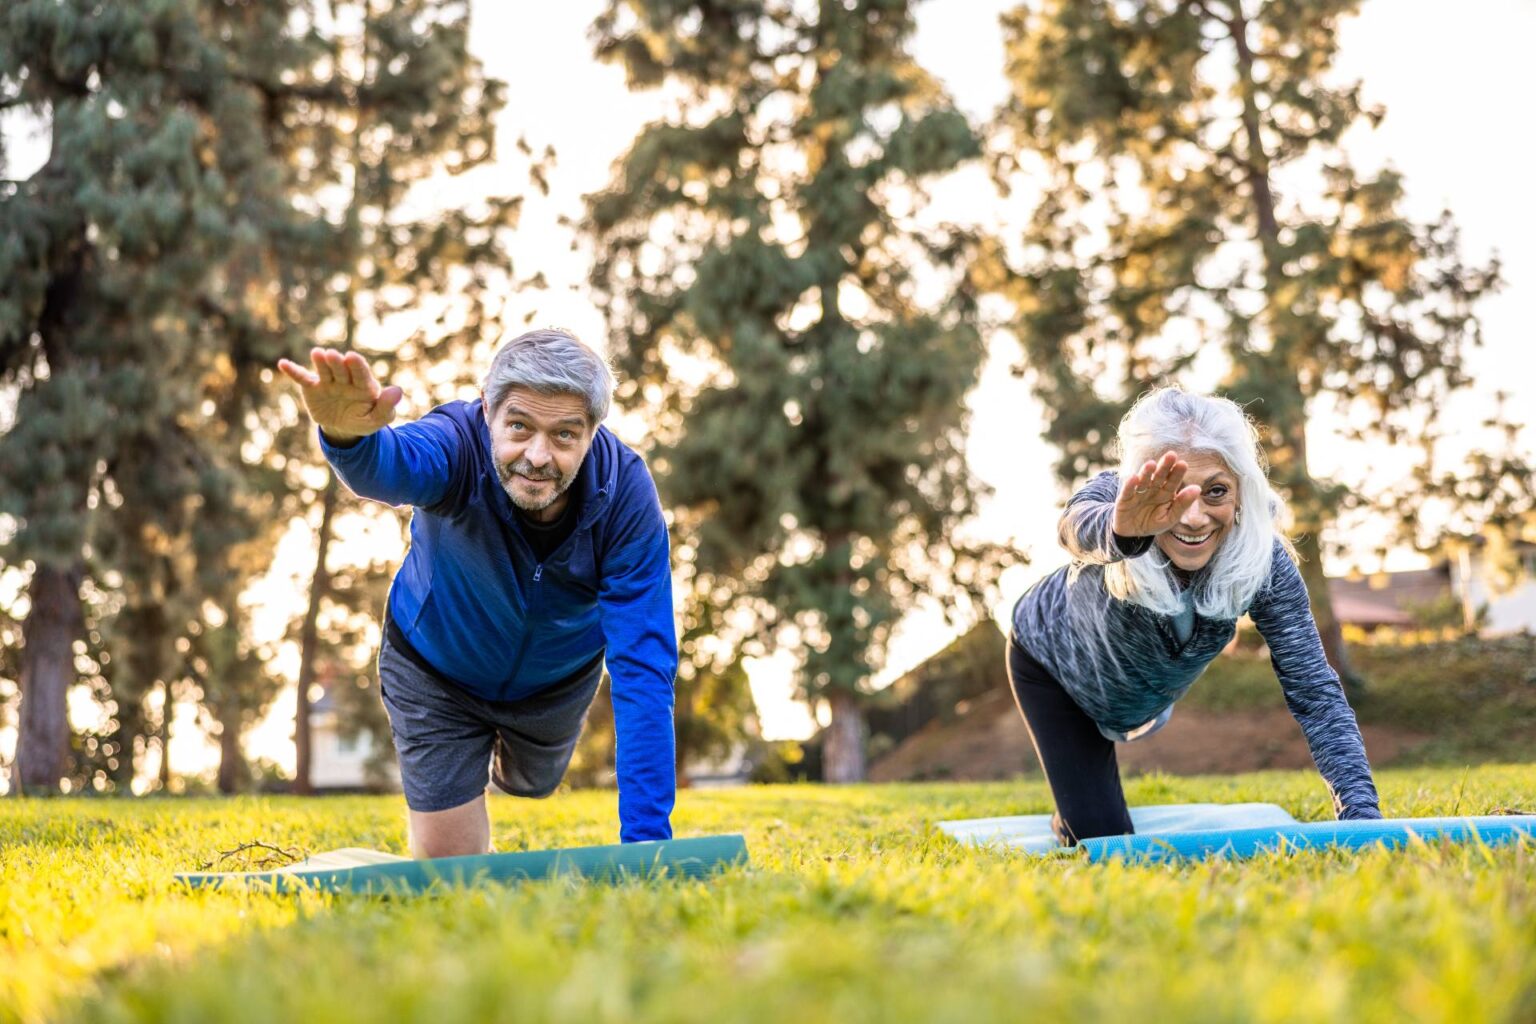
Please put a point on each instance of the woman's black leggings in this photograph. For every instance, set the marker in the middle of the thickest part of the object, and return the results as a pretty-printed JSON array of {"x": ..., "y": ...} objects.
[{"x": 1079, "y": 761}]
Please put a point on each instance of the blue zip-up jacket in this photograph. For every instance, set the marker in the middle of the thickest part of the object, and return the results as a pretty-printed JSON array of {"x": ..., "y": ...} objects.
[{"x": 472, "y": 599}]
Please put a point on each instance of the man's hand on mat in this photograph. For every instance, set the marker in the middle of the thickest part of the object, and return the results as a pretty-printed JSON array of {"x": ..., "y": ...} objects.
[
  {"x": 342, "y": 396},
  {"x": 1153, "y": 498}
]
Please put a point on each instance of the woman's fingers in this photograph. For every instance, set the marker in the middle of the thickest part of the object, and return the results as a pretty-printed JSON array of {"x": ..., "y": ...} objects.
[
  {"x": 1175, "y": 481},
  {"x": 1141, "y": 480},
  {"x": 1169, "y": 465}
]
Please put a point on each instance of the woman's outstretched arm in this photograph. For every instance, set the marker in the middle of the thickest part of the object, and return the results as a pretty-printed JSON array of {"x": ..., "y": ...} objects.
[{"x": 1109, "y": 519}]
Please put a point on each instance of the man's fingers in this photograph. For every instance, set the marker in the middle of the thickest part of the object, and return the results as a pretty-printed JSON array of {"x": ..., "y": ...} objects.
[
  {"x": 387, "y": 400},
  {"x": 320, "y": 359},
  {"x": 358, "y": 373},
  {"x": 297, "y": 373},
  {"x": 337, "y": 361}
]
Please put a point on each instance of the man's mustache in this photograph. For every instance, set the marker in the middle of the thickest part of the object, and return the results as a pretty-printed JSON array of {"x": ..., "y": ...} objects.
[{"x": 526, "y": 469}]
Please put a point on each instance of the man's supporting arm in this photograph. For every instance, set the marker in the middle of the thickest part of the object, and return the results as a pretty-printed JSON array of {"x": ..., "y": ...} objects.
[{"x": 636, "y": 603}]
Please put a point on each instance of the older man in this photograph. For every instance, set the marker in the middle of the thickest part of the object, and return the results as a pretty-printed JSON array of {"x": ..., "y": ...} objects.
[{"x": 538, "y": 552}]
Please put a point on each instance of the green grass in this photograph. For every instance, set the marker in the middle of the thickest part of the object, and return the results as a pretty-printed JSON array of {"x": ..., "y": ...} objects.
[{"x": 854, "y": 909}]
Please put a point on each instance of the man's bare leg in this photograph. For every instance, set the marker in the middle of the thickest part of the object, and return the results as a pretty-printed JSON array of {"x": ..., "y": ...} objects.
[{"x": 456, "y": 832}]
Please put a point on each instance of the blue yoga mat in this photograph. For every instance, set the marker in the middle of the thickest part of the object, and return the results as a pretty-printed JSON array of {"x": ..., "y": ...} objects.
[
  {"x": 1031, "y": 833},
  {"x": 1249, "y": 842},
  {"x": 370, "y": 871}
]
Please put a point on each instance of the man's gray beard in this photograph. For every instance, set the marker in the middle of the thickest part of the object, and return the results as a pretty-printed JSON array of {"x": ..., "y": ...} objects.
[{"x": 561, "y": 486}]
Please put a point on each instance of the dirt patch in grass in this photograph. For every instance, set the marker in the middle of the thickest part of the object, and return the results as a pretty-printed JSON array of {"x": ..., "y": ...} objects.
[{"x": 986, "y": 740}]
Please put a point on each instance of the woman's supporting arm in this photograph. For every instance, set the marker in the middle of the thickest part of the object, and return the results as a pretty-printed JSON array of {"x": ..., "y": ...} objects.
[{"x": 1312, "y": 689}]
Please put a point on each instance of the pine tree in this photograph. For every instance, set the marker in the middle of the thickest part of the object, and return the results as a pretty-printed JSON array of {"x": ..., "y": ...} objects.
[
  {"x": 109, "y": 282},
  {"x": 393, "y": 106},
  {"x": 1196, "y": 198},
  {"x": 801, "y": 338}
]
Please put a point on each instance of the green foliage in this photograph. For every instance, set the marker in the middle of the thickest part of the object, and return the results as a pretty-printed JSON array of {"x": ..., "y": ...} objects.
[
  {"x": 227, "y": 184},
  {"x": 129, "y": 302},
  {"x": 801, "y": 338},
  {"x": 854, "y": 909},
  {"x": 416, "y": 285},
  {"x": 1196, "y": 198}
]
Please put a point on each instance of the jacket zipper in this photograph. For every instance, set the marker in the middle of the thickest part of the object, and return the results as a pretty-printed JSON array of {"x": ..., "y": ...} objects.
[{"x": 538, "y": 578}]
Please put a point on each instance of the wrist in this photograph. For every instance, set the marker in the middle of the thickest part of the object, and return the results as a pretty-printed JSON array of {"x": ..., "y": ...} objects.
[
  {"x": 340, "y": 440},
  {"x": 1130, "y": 546}
]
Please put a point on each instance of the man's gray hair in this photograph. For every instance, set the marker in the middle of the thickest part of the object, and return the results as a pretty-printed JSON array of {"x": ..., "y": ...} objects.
[{"x": 550, "y": 361}]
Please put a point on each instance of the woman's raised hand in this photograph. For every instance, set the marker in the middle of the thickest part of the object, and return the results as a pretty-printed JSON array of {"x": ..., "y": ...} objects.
[
  {"x": 342, "y": 395},
  {"x": 1154, "y": 498}
]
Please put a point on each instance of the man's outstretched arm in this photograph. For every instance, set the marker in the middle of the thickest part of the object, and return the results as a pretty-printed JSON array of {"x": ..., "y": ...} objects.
[{"x": 409, "y": 466}]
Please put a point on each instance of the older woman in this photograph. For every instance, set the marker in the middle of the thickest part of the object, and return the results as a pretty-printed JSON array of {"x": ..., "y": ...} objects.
[{"x": 1166, "y": 555}]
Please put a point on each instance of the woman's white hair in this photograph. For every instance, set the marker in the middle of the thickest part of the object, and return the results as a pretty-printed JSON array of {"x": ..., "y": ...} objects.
[{"x": 1171, "y": 419}]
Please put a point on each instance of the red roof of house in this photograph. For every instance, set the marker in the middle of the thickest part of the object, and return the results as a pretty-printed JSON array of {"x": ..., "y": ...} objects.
[{"x": 1387, "y": 599}]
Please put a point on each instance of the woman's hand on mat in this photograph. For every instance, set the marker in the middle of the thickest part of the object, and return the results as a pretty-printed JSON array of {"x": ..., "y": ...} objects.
[
  {"x": 1154, "y": 498},
  {"x": 342, "y": 396}
]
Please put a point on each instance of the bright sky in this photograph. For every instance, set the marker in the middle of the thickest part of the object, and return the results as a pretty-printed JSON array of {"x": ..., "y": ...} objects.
[{"x": 1453, "y": 84}]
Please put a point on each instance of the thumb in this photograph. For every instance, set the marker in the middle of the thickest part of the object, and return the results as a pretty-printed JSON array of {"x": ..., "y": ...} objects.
[{"x": 384, "y": 405}]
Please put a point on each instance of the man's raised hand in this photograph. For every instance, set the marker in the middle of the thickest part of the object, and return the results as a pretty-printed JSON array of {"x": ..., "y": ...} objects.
[
  {"x": 342, "y": 395},
  {"x": 1154, "y": 498}
]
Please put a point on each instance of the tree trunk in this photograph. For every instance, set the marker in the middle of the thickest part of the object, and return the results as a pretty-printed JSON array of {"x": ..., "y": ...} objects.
[
  {"x": 126, "y": 738},
  {"x": 47, "y": 670},
  {"x": 842, "y": 756},
  {"x": 232, "y": 767},
  {"x": 1283, "y": 362},
  {"x": 168, "y": 710},
  {"x": 1309, "y": 548},
  {"x": 309, "y": 641}
]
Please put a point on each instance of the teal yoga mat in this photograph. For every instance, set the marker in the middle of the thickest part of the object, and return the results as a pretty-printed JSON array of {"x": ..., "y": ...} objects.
[
  {"x": 1249, "y": 842},
  {"x": 370, "y": 871}
]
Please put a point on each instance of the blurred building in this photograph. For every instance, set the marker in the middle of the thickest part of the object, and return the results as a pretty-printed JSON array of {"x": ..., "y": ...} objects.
[
  {"x": 347, "y": 759},
  {"x": 1473, "y": 588}
]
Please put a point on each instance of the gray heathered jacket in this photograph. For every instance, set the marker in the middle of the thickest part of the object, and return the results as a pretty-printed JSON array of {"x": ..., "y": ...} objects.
[{"x": 1133, "y": 684}]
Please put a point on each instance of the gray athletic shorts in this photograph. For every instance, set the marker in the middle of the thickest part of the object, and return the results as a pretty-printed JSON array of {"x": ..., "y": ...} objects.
[{"x": 446, "y": 736}]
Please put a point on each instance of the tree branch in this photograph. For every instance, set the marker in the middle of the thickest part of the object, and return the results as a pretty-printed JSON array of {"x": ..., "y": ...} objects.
[{"x": 279, "y": 91}]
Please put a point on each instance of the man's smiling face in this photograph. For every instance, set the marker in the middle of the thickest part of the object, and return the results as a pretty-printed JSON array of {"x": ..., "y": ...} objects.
[{"x": 539, "y": 441}]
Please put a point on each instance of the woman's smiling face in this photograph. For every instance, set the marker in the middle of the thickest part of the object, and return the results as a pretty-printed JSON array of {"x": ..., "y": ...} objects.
[{"x": 1193, "y": 541}]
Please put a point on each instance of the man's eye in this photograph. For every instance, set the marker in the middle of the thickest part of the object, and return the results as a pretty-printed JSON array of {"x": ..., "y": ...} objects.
[
  {"x": 566, "y": 435},
  {"x": 518, "y": 426}
]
